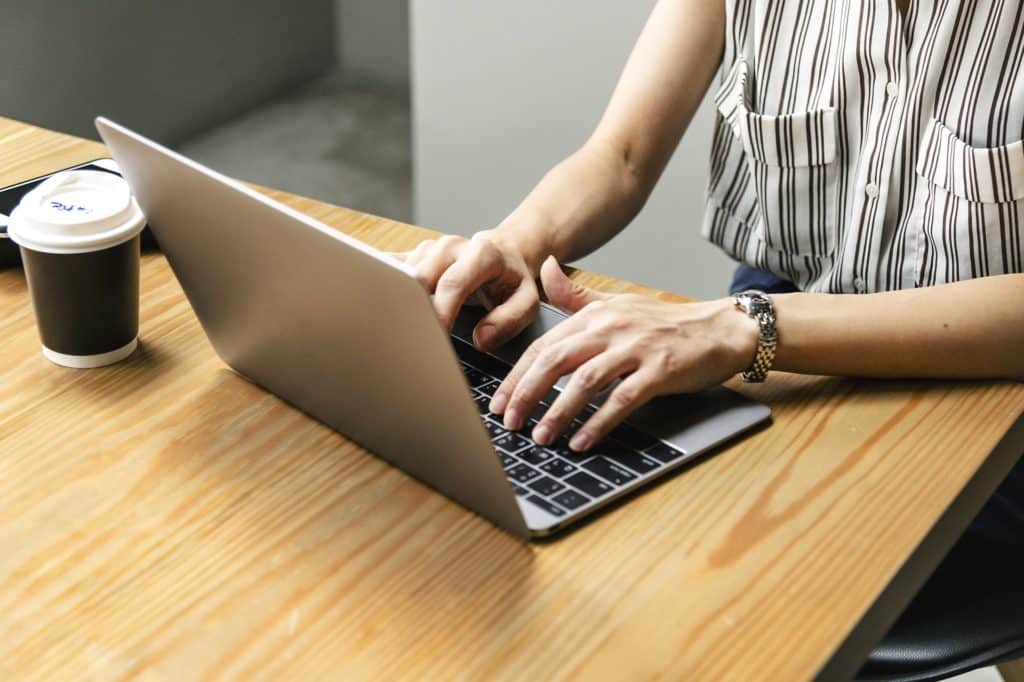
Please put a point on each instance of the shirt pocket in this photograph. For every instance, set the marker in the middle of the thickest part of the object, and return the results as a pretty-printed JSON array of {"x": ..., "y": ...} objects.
[
  {"x": 971, "y": 206},
  {"x": 788, "y": 166}
]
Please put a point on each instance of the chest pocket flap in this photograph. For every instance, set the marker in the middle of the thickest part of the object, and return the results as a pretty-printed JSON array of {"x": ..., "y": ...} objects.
[
  {"x": 792, "y": 161},
  {"x": 979, "y": 174}
]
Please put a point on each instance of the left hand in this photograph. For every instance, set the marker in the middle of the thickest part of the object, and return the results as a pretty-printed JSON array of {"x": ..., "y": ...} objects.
[{"x": 655, "y": 347}]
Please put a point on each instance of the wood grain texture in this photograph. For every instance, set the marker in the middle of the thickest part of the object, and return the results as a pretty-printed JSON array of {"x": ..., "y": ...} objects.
[
  {"x": 1012, "y": 671},
  {"x": 164, "y": 518}
]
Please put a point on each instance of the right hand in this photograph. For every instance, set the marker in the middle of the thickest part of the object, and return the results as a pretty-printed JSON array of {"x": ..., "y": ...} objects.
[{"x": 454, "y": 268}]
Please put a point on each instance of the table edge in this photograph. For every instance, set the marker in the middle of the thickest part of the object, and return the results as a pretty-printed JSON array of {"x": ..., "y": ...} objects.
[{"x": 882, "y": 614}]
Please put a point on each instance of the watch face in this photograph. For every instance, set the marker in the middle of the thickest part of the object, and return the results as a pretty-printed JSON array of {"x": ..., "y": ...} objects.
[
  {"x": 755, "y": 302},
  {"x": 748, "y": 302}
]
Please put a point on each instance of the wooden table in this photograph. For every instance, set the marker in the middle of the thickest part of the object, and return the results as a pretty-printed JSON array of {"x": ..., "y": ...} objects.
[{"x": 164, "y": 518}]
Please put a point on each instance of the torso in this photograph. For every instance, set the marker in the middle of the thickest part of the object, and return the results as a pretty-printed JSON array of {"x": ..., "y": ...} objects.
[{"x": 865, "y": 145}]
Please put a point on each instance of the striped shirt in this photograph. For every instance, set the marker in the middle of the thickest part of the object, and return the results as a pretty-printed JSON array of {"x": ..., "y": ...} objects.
[{"x": 860, "y": 149}]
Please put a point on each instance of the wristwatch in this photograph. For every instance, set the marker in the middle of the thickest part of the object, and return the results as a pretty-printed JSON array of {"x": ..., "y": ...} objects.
[{"x": 759, "y": 306}]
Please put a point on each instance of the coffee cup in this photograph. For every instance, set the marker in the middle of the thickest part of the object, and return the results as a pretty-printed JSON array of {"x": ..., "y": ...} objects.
[
  {"x": 8, "y": 249},
  {"x": 78, "y": 233}
]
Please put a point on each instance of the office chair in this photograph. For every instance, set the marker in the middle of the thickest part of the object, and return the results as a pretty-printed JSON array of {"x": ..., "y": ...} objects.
[{"x": 969, "y": 614}]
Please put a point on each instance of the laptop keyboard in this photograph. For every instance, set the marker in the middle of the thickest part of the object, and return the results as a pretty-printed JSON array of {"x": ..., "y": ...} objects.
[{"x": 555, "y": 478}]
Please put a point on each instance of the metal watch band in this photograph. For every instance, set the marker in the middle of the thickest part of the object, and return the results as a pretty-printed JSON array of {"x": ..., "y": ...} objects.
[{"x": 759, "y": 306}]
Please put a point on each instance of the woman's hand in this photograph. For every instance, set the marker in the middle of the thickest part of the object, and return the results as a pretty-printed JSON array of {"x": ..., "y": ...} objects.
[
  {"x": 654, "y": 347},
  {"x": 494, "y": 269}
]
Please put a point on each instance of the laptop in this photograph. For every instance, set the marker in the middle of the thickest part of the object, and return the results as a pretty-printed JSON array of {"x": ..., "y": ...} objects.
[{"x": 348, "y": 335}]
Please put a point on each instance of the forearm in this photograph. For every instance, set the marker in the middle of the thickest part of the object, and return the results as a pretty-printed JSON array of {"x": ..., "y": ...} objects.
[
  {"x": 580, "y": 204},
  {"x": 592, "y": 195},
  {"x": 972, "y": 329}
]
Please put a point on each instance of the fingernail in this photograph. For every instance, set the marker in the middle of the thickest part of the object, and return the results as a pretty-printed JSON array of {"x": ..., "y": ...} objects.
[
  {"x": 498, "y": 402},
  {"x": 542, "y": 434},
  {"x": 512, "y": 419},
  {"x": 484, "y": 335},
  {"x": 580, "y": 442}
]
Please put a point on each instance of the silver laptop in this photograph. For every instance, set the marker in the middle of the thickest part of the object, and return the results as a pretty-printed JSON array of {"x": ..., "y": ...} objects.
[{"x": 349, "y": 336}]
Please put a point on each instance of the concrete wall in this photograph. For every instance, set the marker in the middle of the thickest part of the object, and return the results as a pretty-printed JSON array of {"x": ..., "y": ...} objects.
[
  {"x": 502, "y": 91},
  {"x": 169, "y": 68},
  {"x": 373, "y": 42}
]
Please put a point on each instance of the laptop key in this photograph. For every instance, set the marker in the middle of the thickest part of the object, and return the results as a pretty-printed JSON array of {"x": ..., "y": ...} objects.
[
  {"x": 488, "y": 389},
  {"x": 512, "y": 442},
  {"x": 496, "y": 430},
  {"x": 558, "y": 467},
  {"x": 519, "y": 490},
  {"x": 546, "y": 486},
  {"x": 476, "y": 378},
  {"x": 562, "y": 449},
  {"x": 507, "y": 460},
  {"x": 665, "y": 453},
  {"x": 535, "y": 455},
  {"x": 571, "y": 499},
  {"x": 483, "y": 403},
  {"x": 552, "y": 509},
  {"x": 536, "y": 415},
  {"x": 551, "y": 396},
  {"x": 523, "y": 473},
  {"x": 609, "y": 471},
  {"x": 588, "y": 484}
]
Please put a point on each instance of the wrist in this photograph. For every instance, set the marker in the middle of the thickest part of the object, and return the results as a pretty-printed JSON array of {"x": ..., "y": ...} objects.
[
  {"x": 735, "y": 335},
  {"x": 525, "y": 239},
  {"x": 744, "y": 334}
]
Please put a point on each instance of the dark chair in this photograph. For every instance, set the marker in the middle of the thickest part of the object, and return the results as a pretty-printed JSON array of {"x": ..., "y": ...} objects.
[{"x": 969, "y": 614}]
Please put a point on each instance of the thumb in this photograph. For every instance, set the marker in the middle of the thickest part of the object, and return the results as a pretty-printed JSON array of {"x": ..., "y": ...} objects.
[{"x": 561, "y": 291}]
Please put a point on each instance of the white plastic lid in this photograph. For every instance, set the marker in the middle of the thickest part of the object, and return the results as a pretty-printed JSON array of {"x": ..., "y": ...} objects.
[{"x": 76, "y": 212}]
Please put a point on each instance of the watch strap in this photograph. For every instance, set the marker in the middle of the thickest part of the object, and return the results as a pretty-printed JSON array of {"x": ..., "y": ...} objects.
[{"x": 758, "y": 305}]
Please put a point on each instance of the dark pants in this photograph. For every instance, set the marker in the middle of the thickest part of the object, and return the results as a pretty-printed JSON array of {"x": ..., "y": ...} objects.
[{"x": 1001, "y": 520}]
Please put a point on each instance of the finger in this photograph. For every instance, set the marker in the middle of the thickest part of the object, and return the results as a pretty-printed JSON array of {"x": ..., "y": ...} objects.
[
  {"x": 553, "y": 362},
  {"x": 587, "y": 381},
  {"x": 501, "y": 396},
  {"x": 479, "y": 263},
  {"x": 634, "y": 391},
  {"x": 415, "y": 255},
  {"x": 435, "y": 260},
  {"x": 562, "y": 291},
  {"x": 508, "y": 319}
]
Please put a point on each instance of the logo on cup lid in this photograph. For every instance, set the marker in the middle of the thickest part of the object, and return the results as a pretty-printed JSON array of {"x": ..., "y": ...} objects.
[{"x": 76, "y": 211}]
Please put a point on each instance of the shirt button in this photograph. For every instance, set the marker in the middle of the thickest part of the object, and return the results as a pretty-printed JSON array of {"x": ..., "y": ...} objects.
[
  {"x": 892, "y": 89},
  {"x": 858, "y": 285},
  {"x": 871, "y": 189}
]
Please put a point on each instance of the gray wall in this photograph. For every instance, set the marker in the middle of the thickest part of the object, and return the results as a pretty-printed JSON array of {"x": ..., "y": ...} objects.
[
  {"x": 169, "y": 68},
  {"x": 502, "y": 91},
  {"x": 373, "y": 42}
]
